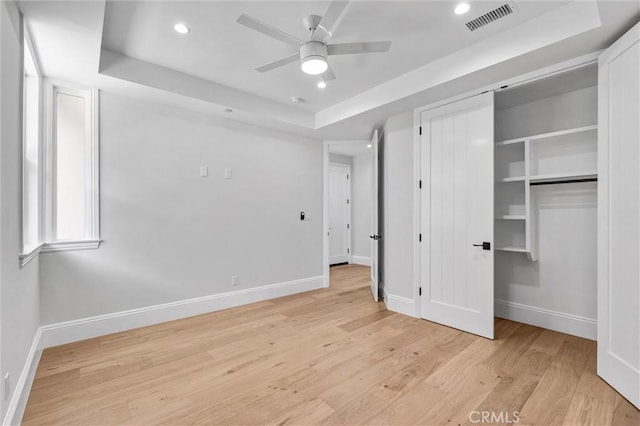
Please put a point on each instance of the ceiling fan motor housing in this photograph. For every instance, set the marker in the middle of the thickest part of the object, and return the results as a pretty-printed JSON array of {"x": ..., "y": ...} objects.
[{"x": 313, "y": 50}]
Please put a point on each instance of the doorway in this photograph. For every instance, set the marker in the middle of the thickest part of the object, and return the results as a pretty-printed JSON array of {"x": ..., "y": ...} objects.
[{"x": 350, "y": 210}]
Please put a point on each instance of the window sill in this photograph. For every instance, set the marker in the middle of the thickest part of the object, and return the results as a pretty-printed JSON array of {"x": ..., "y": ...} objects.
[
  {"x": 70, "y": 245},
  {"x": 30, "y": 254}
]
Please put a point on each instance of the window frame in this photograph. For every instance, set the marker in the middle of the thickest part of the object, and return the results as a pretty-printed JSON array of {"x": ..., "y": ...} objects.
[
  {"x": 27, "y": 253},
  {"x": 91, "y": 239}
]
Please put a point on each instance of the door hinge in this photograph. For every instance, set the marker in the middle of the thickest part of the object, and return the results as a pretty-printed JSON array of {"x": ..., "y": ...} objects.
[
  {"x": 419, "y": 291},
  {"x": 420, "y": 237},
  {"x": 347, "y": 176},
  {"x": 420, "y": 184},
  {"x": 420, "y": 129},
  {"x": 347, "y": 201},
  {"x": 347, "y": 226},
  {"x": 347, "y": 251}
]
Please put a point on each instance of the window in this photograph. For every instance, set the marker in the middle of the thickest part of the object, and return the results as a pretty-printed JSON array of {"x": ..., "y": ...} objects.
[
  {"x": 72, "y": 169},
  {"x": 31, "y": 161},
  {"x": 59, "y": 176}
]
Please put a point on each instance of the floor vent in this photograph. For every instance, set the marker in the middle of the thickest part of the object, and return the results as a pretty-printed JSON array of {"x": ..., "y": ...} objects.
[{"x": 489, "y": 17}]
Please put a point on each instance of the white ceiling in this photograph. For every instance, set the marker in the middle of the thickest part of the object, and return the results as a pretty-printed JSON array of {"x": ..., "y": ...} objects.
[
  {"x": 222, "y": 51},
  {"x": 433, "y": 56}
]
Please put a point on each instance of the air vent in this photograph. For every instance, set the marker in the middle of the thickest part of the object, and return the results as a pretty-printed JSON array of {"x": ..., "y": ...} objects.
[{"x": 489, "y": 17}]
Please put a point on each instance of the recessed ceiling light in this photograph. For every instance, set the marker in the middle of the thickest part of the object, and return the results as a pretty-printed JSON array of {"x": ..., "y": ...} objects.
[
  {"x": 295, "y": 100},
  {"x": 181, "y": 28},
  {"x": 462, "y": 8},
  {"x": 321, "y": 85},
  {"x": 368, "y": 145}
]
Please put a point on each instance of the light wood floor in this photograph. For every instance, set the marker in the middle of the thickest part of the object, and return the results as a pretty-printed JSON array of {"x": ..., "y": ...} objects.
[{"x": 324, "y": 357}]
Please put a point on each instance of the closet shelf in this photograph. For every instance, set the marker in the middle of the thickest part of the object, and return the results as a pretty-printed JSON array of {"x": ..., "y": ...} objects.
[
  {"x": 511, "y": 217},
  {"x": 512, "y": 179},
  {"x": 513, "y": 249},
  {"x": 548, "y": 135},
  {"x": 562, "y": 176}
]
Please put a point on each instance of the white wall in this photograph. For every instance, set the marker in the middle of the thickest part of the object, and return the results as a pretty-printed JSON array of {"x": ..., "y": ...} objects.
[
  {"x": 361, "y": 207},
  {"x": 18, "y": 286},
  {"x": 342, "y": 159},
  {"x": 170, "y": 234},
  {"x": 397, "y": 228}
]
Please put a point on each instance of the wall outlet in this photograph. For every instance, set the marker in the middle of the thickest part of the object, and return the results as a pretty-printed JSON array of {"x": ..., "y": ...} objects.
[
  {"x": 235, "y": 280},
  {"x": 228, "y": 173},
  {"x": 7, "y": 386},
  {"x": 204, "y": 171}
]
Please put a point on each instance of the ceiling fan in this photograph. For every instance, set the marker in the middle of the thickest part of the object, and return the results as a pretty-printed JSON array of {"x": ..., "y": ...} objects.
[{"x": 313, "y": 54}]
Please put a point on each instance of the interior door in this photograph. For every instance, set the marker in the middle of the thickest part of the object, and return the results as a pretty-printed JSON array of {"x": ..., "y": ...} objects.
[
  {"x": 375, "y": 237},
  {"x": 338, "y": 213},
  {"x": 456, "y": 219},
  {"x": 619, "y": 216}
]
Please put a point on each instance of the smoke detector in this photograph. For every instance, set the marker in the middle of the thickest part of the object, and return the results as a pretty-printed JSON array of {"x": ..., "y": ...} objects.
[{"x": 295, "y": 100}]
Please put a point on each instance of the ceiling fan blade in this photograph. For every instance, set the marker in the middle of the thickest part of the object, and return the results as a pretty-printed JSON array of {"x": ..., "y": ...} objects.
[
  {"x": 328, "y": 74},
  {"x": 280, "y": 63},
  {"x": 354, "y": 48},
  {"x": 268, "y": 30},
  {"x": 330, "y": 21}
]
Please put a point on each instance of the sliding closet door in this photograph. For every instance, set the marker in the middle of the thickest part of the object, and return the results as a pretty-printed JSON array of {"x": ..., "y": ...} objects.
[
  {"x": 457, "y": 215},
  {"x": 619, "y": 216}
]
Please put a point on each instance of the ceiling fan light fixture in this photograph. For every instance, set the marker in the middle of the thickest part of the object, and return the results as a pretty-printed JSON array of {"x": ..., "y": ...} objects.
[{"x": 314, "y": 65}]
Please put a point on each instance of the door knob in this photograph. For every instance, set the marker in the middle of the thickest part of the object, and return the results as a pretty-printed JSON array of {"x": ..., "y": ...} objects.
[{"x": 485, "y": 245}]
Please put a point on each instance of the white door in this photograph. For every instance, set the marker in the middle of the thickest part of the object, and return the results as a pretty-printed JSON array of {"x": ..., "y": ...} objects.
[
  {"x": 338, "y": 213},
  {"x": 375, "y": 237},
  {"x": 456, "y": 217},
  {"x": 619, "y": 216}
]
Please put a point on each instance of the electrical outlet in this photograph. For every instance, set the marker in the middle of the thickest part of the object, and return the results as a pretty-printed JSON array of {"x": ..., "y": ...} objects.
[
  {"x": 235, "y": 280},
  {"x": 7, "y": 386},
  {"x": 228, "y": 173},
  {"x": 204, "y": 171}
]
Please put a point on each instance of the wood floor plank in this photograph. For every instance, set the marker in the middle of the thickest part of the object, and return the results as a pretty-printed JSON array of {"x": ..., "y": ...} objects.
[{"x": 329, "y": 356}]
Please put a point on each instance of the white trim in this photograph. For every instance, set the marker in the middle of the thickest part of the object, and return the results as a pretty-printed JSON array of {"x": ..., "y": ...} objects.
[
  {"x": 20, "y": 395},
  {"x": 29, "y": 256},
  {"x": 70, "y": 245},
  {"x": 361, "y": 260},
  {"x": 402, "y": 305},
  {"x": 547, "y": 318},
  {"x": 86, "y": 328}
]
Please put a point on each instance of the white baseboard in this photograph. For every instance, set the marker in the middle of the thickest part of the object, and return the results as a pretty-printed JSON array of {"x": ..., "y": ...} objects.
[
  {"x": 361, "y": 260},
  {"x": 402, "y": 305},
  {"x": 553, "y": 320},
  {"x": 18, "y": 401},
  {"x": 86, "y": 328}
]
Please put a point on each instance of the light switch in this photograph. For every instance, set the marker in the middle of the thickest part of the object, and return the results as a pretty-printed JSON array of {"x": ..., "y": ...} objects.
[
  {"x": 204, "y": 171},
  {"x": 228, "y": 173}
]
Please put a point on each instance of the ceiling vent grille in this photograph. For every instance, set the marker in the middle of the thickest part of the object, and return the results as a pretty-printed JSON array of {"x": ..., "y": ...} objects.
[{"x": 489, "y": 17}]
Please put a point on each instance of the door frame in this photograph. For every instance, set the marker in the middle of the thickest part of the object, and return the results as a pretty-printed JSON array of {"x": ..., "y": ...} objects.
[
  {"x": 562, "y": 67},
  {"x": 348, "y": 208},
  {"x": 326, "y": 145}
]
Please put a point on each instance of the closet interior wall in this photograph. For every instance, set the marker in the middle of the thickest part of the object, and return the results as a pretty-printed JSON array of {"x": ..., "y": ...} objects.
[{"x": 545, "y": 231}]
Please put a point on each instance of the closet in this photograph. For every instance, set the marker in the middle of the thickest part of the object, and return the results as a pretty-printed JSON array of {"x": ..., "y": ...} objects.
[
  {"x": 528, "y": 207},
  {"x": 545, "y": 229}
]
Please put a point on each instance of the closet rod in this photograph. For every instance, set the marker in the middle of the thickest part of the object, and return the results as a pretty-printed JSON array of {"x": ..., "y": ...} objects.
[{"x": 556, "y": 182}]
